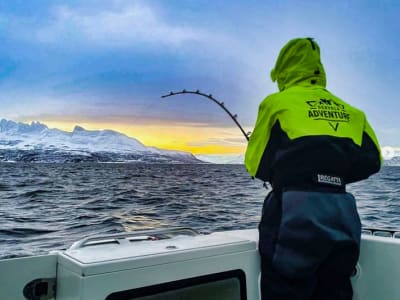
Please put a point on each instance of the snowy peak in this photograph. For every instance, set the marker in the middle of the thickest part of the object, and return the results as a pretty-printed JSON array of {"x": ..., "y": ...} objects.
[
  {"x": 21, "y": 128},
  {"x": 105, "y": 140},
  {"x": 78, "y": 128}
]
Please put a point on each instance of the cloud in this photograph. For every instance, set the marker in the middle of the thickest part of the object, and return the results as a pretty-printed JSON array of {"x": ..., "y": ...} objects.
[{"x": 122, "y": 26}]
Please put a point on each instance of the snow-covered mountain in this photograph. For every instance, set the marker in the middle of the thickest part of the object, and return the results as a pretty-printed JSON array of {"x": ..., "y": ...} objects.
[
  {"x": 222, "y": 158},
  {"x": 36, "y": 142},
  {"x": 391, "y": 156}
]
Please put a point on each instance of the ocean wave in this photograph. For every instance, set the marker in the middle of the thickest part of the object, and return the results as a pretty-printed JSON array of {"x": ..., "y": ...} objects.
[{"x": 45, "y": 207}]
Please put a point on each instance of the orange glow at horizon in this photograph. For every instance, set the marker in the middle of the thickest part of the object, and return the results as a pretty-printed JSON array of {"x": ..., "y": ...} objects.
[{"x": 194, "y": 139}]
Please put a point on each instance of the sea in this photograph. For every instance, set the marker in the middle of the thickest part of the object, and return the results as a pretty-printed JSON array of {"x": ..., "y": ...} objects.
[{"x": 45, "y": 207}]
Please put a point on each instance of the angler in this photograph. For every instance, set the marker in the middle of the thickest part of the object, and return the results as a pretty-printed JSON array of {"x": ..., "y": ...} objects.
[{"x": 310, "y": 230}]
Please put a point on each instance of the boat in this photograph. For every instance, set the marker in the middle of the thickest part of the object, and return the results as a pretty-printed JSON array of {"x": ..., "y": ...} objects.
[{"x": 178, "y": 263}]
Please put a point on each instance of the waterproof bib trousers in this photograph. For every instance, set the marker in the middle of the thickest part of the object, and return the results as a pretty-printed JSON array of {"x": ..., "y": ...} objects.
[{"x": 309, "y": 244}]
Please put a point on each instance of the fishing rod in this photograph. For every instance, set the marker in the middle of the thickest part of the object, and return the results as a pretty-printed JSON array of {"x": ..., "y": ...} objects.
[{"x": 220, "y": 104}]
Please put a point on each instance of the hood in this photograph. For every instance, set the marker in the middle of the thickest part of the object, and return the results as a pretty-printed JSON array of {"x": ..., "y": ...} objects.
[{"x": 299, "y": 63}]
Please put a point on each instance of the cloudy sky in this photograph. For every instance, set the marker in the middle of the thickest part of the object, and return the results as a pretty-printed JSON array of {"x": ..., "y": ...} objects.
[{"x": 105, "y": 64}]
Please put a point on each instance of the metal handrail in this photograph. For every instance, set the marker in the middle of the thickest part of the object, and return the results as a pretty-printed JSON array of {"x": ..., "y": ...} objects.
[
  {"x": 165, "y": 233},
  {"x": 143, "y": 235},
  {"x": 382, "y": 232}
]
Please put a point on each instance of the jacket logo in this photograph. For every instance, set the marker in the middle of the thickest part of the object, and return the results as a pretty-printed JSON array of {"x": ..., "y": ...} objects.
[
  {"x": 327, "y": 179},
  {"x": 334, "y": 127},
  {"x": 328, "y": 110}
]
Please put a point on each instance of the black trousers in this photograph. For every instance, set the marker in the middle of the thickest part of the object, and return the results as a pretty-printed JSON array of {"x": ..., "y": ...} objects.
[{"x": 309, "y": 244}]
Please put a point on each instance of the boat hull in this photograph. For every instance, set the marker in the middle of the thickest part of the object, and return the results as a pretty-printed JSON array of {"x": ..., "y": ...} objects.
[{"x": 187, "y": 263}]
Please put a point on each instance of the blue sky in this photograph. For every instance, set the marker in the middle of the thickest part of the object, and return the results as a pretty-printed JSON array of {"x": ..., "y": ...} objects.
[{"x": 106, "y": 63}]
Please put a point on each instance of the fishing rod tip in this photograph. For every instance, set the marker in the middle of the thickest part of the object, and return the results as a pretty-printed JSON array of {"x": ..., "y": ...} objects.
[{"x": 170, "y": 94}]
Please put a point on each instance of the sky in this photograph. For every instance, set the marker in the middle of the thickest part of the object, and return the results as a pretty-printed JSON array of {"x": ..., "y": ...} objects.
[{"x": 105, "y": 64}]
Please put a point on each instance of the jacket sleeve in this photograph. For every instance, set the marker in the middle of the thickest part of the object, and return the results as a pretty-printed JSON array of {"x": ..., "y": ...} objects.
[
  {"x": 260, "y": 136},
  {"x": 368, "y": 160}
]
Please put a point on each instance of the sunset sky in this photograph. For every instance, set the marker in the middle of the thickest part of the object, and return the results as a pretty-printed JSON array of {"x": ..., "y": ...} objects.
[{"x": 105, "y": 64}]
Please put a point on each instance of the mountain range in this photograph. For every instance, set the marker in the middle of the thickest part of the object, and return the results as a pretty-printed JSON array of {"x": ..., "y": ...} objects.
[{"x": 35, "y": 142}]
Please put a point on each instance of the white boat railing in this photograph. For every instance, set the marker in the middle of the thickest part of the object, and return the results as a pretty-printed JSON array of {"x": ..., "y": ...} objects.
[
  {"x": 383, "y": 232},
  {"x": 135, "y": 236}
]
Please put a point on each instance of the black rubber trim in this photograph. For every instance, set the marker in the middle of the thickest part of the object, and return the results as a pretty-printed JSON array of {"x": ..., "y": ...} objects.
[{"x": 175, "y": 285}]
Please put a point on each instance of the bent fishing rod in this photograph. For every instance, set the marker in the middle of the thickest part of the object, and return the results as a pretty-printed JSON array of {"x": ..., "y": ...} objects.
[{"x": 219, "y": 103}]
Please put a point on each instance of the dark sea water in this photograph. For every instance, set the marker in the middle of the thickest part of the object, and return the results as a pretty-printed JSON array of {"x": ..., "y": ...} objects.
[{"x": 46, "y": 207}]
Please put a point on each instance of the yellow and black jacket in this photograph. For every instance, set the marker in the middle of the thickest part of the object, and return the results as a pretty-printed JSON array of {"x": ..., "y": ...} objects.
[{"x": 304, "y": 130}]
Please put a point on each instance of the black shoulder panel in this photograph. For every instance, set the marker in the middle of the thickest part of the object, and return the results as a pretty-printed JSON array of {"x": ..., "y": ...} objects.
[{"x": 286, "y": 161}]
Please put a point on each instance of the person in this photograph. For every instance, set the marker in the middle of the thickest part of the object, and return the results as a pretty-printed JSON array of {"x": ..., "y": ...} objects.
[{"x": 308, "y": 144}]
